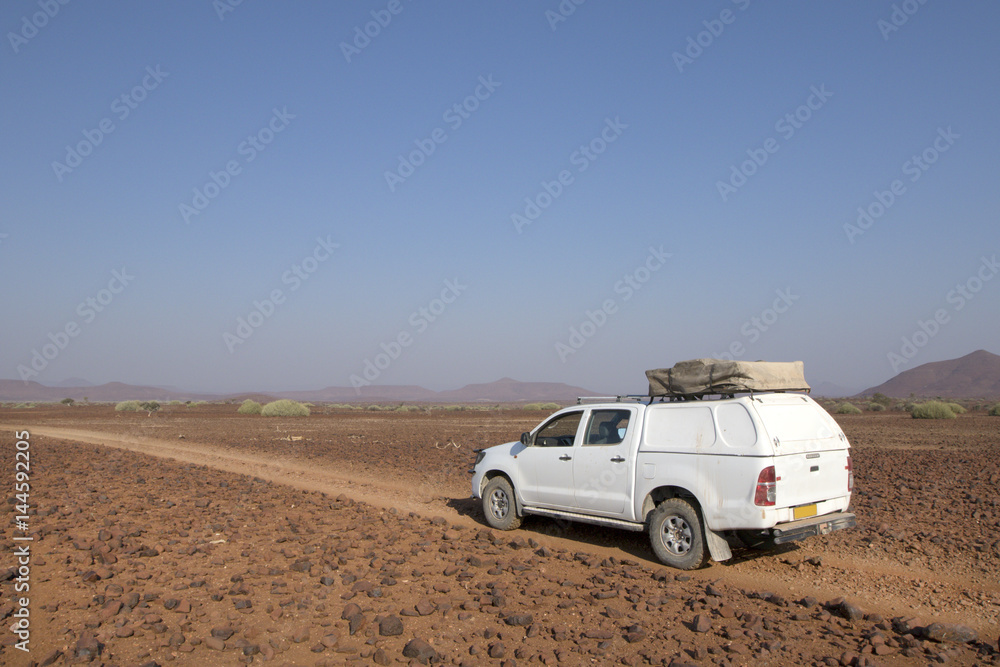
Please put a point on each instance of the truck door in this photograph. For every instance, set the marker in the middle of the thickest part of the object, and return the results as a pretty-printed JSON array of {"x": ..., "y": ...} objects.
[
  {"x": 547, "y": 465},
  {"x": 601, "y": 465}
]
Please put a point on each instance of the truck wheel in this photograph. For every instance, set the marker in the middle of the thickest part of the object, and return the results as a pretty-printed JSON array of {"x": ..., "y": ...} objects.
[
  {"x": 499, "y": 506},
  {"x": 676, "y": 535}
]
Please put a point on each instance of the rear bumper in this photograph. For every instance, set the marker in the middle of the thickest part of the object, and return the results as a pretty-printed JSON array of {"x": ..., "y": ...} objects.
[{"x": 817, "y": 525}]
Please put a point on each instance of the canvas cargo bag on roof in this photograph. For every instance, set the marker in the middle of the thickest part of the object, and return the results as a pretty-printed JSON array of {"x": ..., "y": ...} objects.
[{"x": 718, "y": 376}]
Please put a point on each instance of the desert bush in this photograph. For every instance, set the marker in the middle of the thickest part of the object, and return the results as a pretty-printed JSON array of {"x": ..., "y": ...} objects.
[
  {"x": 249, "y": 407},
  {"x": 284, "y": 408},
  {"x": 994, "y": 411},
  {"x": 128, "y": 406},
  {"x": 932, "y": 410},
  {"x": 848, "y": 409},
  {"x": 876, "y": 407},
  {"x": 881, "y": 399},
  {"x": 67, "y": 401},
  {"x": 408, "y": 408},
  {"x": 957, "y": 408},
  {"x": 150, "y": 406},
  {"x": 25, "y": 405}
]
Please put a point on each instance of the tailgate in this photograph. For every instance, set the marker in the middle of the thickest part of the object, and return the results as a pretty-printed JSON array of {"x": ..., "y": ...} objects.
[
  {"x": 810, "y": 452},
  {"x": 810, "y": 477}
]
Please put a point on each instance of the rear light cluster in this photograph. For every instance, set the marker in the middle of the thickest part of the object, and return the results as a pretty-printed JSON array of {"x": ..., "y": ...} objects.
[
  {"x": 764, "y": 495},
  {"x": 850, "y": 475}
]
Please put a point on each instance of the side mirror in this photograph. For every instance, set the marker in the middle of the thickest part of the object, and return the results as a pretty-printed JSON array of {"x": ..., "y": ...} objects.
[{"x": 526, "y": 439}]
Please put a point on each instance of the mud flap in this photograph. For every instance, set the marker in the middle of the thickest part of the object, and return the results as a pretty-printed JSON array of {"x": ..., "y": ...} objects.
[{"x": 717, "y": 546}]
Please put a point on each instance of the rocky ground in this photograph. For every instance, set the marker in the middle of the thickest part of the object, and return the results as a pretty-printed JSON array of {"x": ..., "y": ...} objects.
[{"x": 357, "y": 544}]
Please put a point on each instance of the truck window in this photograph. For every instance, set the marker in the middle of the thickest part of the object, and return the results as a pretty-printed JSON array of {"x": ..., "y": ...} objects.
[
  {"x": 560, "y": 432},
  {"x": 607, "y": 427}
]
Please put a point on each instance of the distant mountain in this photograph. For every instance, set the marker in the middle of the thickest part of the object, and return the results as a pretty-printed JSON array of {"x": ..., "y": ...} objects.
[
  {"x": 16, "y": 390},
  {"x": 371, "y": 393},
  {"x": 74, "y": 382},
  {"x": 976, "y": 375},
  {"x": 506, "y": 390}
]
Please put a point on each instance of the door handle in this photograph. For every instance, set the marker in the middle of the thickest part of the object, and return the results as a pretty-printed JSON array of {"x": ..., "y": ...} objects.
[
  {"x": 617, "y": 459},
  {"x": 565, "y": 457}
]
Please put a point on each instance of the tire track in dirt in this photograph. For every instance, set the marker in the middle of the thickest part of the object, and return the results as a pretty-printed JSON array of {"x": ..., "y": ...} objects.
[{"x": 753, "y": 572}]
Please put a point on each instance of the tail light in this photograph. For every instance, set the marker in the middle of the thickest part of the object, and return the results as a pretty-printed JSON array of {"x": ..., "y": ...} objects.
[
  {"x": 850, "y": 475},
  {"x": 764, "y": 495}
]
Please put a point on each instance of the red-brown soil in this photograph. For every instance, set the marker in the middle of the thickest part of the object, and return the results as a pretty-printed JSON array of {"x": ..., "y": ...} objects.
[{"x": 197, "y": 536}]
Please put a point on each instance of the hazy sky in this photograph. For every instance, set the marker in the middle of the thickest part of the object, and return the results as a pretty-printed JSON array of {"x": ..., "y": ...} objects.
[{"x": 274, "y": 196}]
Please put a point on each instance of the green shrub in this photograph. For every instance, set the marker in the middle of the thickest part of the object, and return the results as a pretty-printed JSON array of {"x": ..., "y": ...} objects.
[
  {"x": 150, "y": 406},
  {"x": 876, "y": 407},
  {"x": 284, "y": 408},
  {"x": 25, "y": 405},
  {"x": 956, "y": 408},
  {"x": 249, "y": 407},
  {"x": 881, "y": 399},
  {"x": 932, "y": 410},
  {"x": 994, "y": 411},
  {"x": 541, "y": 406},
  {"x": 67, "y": 401},
  {"x": 848, "y": 409},
  {"x": 128, "y": 406}
]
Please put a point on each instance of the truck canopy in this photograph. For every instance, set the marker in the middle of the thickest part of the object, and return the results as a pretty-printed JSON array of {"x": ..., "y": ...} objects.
[{"x": 700, "y": 377}]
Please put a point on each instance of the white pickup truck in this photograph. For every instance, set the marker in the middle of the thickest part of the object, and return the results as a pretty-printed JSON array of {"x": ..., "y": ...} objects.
[{"x": 698, "y": 475}]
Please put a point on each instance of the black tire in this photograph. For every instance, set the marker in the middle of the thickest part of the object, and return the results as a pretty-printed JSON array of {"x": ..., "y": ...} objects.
[
  {"x": 675, "y": 531},
  {"x": 499, "y": 505}
]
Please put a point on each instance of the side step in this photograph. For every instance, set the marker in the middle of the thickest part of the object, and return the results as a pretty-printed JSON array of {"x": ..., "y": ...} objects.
[{"x": 586, "y": 518}]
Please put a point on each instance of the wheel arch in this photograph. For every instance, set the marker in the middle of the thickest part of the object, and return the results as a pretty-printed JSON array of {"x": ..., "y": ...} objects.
[
  {"x": 661, "y": 493},
  {"x": 492, "y": 474}
]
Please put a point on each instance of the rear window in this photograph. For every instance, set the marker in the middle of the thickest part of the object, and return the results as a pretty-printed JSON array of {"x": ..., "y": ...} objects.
[
  {"x": 736, "y": 426},
  {"x": 795, "y": 422}
]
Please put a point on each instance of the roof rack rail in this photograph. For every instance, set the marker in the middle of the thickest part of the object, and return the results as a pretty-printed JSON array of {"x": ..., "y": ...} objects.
[{"x": 610, "y": 399}]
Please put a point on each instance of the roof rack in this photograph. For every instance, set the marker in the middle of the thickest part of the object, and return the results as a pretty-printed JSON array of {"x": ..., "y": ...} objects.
[{"x": 677, "y": 397}]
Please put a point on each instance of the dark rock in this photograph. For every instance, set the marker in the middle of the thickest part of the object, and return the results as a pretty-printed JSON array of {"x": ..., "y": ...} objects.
[
  {"x": 950, "y": 633},
  {"x": 497, "y": 650},
  {"x": 701, "y": 623},
  {"x": 223, "y": 632},
  {"x": 87, "y": 646},
  {"x": 390, "y": 626},
  {"x": 521, "y": 620},
  {"x": 420, "y": 651}
]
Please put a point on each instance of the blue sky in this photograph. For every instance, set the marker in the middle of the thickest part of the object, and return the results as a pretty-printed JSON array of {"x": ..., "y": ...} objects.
[{"x": 471, "y": 190}]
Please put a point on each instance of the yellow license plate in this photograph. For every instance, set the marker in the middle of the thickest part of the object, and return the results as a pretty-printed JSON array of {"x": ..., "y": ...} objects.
[{"x": 804, "y": 511}]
